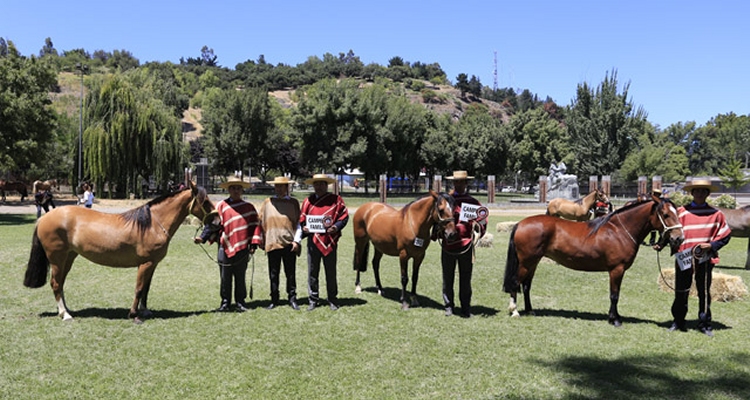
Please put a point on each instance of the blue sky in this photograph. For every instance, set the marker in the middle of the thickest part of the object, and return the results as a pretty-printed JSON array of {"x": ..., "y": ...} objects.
[{"x": 685, "y": 60}]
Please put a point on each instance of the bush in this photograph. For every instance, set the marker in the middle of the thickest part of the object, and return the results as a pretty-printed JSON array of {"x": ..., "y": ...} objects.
[{"x": 723, "y": 201}]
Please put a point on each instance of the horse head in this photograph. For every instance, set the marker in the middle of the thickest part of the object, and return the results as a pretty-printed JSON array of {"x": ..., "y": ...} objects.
[
  {"x": 442, "y": 213},
  {"x": 200, "y": 204},
  {"x": 665, "y": 220}
]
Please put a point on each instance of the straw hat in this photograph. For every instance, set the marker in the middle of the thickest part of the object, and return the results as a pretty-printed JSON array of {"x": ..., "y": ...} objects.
[
  {"x": 656, "y": 191},
  {"x": 234, "y": 181},
  {"x": 318, "y": 178},
  {"x": 700, "y": 183},
  {"x": 279, "y": 180},
  {"x": 460, "y": 175}
]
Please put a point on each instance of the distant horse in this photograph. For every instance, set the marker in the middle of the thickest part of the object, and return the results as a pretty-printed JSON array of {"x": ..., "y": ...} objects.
[
  {"x": 19, "y": 187},
  {"x": 579, "y": 210},
  {"x": 45, "y": 185},
  {"x": 403, "y": 233},
  {"x": 138, "y": 237},
  {"x": 609, "y": 243},
  {"x": 739, "y": 222}
]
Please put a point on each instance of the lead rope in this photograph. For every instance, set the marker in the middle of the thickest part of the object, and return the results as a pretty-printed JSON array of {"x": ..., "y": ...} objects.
[{"x": 658, "y": 263}]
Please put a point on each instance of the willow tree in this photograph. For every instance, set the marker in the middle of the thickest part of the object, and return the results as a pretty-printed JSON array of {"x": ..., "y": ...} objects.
[{"x": 130, "y": 137}]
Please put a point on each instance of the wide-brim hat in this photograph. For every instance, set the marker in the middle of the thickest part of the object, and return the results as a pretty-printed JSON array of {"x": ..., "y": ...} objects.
[
  {"x": 460, "y": 175},
  {"x": 318, "y": 178},
  {"x": 234, "y": 181},
  {"x": 279, "y": 180},
  {"x": 700, "y": 184}
]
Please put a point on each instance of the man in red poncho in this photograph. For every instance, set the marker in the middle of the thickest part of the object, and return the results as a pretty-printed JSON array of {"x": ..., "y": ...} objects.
[
  {"x": 323, "y": 217},
  {"x": 706, "y": 231}
]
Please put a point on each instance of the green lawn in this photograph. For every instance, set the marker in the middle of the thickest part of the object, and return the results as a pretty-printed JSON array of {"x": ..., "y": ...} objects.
[{"x": 370, "y": 348}]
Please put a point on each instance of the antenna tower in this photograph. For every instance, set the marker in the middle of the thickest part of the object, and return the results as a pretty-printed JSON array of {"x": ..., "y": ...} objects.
[{"x": 494, "y": 74}]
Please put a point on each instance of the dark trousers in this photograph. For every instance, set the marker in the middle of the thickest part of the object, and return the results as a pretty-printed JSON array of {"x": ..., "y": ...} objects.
[
  {"x": 683, "y": 281},
  {"x": 465, "y": 266},
  {"x": 233, "y": 268},
  {"x": 289, "y": 258},
  {"x": 314, "y": 256}
]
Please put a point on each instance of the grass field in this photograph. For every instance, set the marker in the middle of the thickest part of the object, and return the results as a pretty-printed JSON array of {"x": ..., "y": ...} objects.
[{"x": 370, "y": 348}]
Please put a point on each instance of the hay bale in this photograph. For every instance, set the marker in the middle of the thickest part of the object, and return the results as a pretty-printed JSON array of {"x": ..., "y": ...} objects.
[
  {"x": 486, "y": 240},
  {"x": 724, "y": 287},
  {"x": 505, "y": 226}
]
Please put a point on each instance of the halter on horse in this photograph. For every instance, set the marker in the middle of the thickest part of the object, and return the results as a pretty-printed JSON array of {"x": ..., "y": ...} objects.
[
  {"x": 403, "y": 233},
  {"x": 609, "y": 244},
  {"x": 138, "y": 237},
  {"x": 579, "y": 210}
]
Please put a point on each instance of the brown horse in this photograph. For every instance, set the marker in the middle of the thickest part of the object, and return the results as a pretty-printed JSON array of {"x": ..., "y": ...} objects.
[
  {"x": 403, "y": 233},
  {"x": 45, "y": 185},
  {"x": 17, "y": 186},
  {"x": 739, "y": 222},
  {"x": 138, "y": 237},
  {"x": 609, "y": 243},
  {"x": 579, "y": 210}
]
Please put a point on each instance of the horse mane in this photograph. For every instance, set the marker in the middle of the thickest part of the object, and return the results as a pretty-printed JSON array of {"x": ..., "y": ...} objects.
[
  {"x": 597, "y": 223},
  {"x": 444, "y": 195},
  {"x": 141, "y": 216}
]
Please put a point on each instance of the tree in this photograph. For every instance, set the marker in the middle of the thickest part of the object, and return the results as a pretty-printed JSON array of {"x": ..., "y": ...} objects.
[
  {"x": 603, "y": 126},
  {"x": 27, "y": 121},
  {"x": 733, "y": 176},
  {"x": 536, "y": 139},
  {"x": 130, "y": 136},
  {"x": 48, "y": 49},
  {"x": 462, "y": 83},
  {"x": 237, "y": 125}
]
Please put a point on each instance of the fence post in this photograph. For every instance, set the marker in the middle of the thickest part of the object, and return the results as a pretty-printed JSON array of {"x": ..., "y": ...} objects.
[
  {"x": 491, "y": 189},
  {"x": 606, "y": 185},
  {"x": 383, "y": 187},
  {"x": 543, "y": 188}
]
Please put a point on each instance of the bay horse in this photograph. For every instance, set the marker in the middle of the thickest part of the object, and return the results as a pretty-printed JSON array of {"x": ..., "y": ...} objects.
[
  {"x": 579, "y": 210},
  {"x": 739, "y": 222},
  {"x": 136, "y": 238},
  {"x": 403, "y": 233},
  {"x": 17, "y": 186},
  {"x": 609, "y": 244}
]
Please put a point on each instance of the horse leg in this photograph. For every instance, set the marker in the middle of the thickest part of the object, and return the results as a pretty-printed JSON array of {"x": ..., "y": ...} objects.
[
  {"x": 404, "y": 261},
  {"x": 142, "y": 283},
  {"x": 747, "y": 260},
  {"x": 415, "y": 277},
  {"x": 58, "y": 273},
  {"x": 376, "y": 270},
  {"x": 525, "y": 276},
  {"x": 513, "y": 306},
  {"x": 615, "y": 281},
  {"x": 357, "y": 285}
]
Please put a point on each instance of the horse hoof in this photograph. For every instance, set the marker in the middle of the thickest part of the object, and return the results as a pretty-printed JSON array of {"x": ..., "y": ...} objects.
[
  {"x": 616, "y": 323},
  {"x": 137, "y": 321},
  {"x": 515, "y": 314},
  {"x": 380, "y": 292},
  {"x": 404, "y": 306},
  {"x": 67, "y": 318},
  {"x": 358, "y": 290}
]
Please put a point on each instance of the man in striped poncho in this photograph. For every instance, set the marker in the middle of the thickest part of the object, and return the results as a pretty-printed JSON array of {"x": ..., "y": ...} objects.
[
  {"x": 706, "y": 231},
  {"x": 237, "y": 220}
]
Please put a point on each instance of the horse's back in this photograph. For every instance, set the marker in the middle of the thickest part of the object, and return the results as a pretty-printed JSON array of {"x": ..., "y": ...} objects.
[{"x": 738, "y": 220}]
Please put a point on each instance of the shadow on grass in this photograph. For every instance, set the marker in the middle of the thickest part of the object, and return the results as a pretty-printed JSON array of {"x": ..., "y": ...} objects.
[
  {"x": 122, "y": 313},
  {"x": 652, "y": 377},
  {"x": 589, "y": 316},
  {"x": 16, "y": 219},
  {"x": 394, "y": 294}
]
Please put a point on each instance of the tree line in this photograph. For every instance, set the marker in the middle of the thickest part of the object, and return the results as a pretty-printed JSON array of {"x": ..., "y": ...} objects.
[{"x": 343, "y": 114}]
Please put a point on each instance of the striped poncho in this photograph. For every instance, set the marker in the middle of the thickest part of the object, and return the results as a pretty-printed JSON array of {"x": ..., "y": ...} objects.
[
  {"x": 703, "y": 224},
  {"x": 239, "y": 220}
]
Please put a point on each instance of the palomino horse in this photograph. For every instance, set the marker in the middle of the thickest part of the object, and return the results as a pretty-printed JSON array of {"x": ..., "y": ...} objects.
[
  {"x": 138, "y": 237},
  {"x": 45, "y": 185},
  {"x": 19, "y": 187},
  {"x": 739, "y": 222},
  {"x": 579, "y": 210},
  {"x": 403, "y": 233},
  {"x": 609, "y": 243}
]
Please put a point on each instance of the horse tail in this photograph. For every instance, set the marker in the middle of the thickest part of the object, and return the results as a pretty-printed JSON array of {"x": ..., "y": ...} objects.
[
  {"x": 36, "y": 272},
  {"x": 360, "y": 257},
  {"x": 511, "y": 285}
]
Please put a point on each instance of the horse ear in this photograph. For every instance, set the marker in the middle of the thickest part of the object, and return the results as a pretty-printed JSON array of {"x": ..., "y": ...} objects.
[{"x": 433, "y": 193}]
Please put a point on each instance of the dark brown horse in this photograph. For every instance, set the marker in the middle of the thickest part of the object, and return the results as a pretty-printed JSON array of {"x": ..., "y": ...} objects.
[
  {"x": 739, "y": 222},
  {"x": 19, "y": 187},
  {"x": 403, "y": 233},
  {"x": 136, "y": 238},
  {"x": 609, "y": 244}
]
